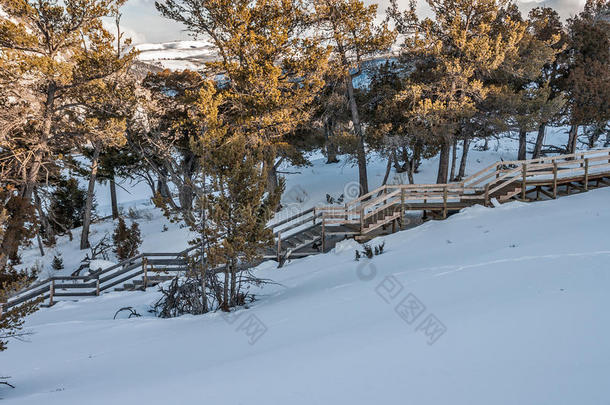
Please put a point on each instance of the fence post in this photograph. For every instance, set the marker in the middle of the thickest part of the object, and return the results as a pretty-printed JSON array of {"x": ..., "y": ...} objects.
[
  {"x": 323, "y": 237},
  {"x": 402, "y": 207},
  {"x": 314, "y": 215},
  {"x": 523, "y": 181},
  {"x": 487, "y": 195},
  {"x": 445, "y": 202},
  {"x": 554, "y": 179},
  {"x": 1, "y": 309},
  {"x": 51, "y": 292},
  {"x": 97, "y": 286},
  {"x": 361, "y": 219},
  {"x": 587, "y": 174},
  {"x": 145, "y": 269},
  {"x": 279, "y": 245}
]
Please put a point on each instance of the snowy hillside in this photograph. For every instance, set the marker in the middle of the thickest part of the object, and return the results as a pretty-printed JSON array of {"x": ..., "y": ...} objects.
[
  {"x": 492, "y": 306},
  {"x": 176, "y": 55}
]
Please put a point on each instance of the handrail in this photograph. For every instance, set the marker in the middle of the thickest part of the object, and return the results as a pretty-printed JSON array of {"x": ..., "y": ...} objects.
[{"x": 362, "y": 208}]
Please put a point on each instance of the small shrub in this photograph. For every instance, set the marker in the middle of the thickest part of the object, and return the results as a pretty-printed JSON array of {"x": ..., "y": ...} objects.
[
  {"x": 165, "y": 228},
  {"x": 357, "y": 255},
  {"x": 126, "y": 240},
  {"x": 368, "y": 251},
  {"x": 379, "y": 248},
  {"x": 58, "y": 262}
]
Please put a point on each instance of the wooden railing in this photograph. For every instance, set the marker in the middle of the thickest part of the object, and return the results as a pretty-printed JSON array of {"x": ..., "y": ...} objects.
[
  {"x": 478, "y": 188},
  {"x": 96, "y": 282},
  {"x": 363, "y": 215}
]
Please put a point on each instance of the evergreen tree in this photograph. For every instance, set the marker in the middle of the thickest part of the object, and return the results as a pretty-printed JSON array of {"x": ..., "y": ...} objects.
[
  {"x": 452, "y": 53},
  {"x": 271, "y": 72},
  {"x": 587, "y": 79},
  {"x": 12, "y": 320},
  {"x": 350, "y": 28},
  {"x": 126, "y": 240},
  {"x": 67, "y": 206},
  {"x": 49, "y": 53}
]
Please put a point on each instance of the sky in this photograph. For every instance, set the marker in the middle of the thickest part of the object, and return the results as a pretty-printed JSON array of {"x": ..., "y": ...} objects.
[{"x": 142, "y": 22}]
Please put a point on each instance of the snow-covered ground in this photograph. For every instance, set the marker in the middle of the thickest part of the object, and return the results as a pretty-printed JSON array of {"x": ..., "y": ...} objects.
[
  {"x": 500, "y": 305},
  {"x": 177, "y": 55}
]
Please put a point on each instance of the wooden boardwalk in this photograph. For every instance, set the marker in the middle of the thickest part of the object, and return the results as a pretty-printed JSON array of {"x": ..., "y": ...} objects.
[{"x": 318, "y": 229}]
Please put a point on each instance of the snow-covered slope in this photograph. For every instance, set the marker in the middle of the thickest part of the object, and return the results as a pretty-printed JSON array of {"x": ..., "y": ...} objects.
[
  {"x": 177, "y": 55},
  {"x": 506, "y": 306}
]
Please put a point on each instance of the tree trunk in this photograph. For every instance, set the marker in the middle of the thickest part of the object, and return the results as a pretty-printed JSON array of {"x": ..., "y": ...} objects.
[
  {"x": 597, "y": 131},
  {"x": 233, "y": 283},
  {"x": 361, "y": 153},
  {"x": 453, "y": 159},
  {"x": 113, "y": 200},
  {"x": 522, "y": 154},
  {"x": 410, "y": 171},
  {"x": 14, "y": 228},
  {"x": 48, "y": 233},
  {"x": 225, "y": 290},
  {"x": 464, "y": 159},
  {"x": 84, "y": 236},
  {"x": 539, "y": 141},
  {"x": 271, "y": 178},
  {"x": 443, "y": 162},
  {"x": 572, "y": 138},
  {"x": 331, "y": 148}
]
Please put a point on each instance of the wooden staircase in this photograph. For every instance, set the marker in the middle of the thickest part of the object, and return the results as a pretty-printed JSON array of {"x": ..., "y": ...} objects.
[{"x": 316, "y": 230}]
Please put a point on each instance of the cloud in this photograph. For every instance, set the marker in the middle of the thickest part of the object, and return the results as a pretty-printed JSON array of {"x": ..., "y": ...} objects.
[{"x": 143, "y": 23}]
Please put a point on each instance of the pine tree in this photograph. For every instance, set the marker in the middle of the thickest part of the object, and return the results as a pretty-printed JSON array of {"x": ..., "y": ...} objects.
[
  {"x": 126, "y": 240},
  {"x": 67, "y": 206},
  {"x": 587, "y": 79},
  {"x": 545, "y": 25},
  {"x": 12, "y": 320},
  {"x": 452, "y": 54},
  {"x": 271, "y": 72},
  {"x": 49, "y": 53},
  {"x": 523, "y": 99},
  {"x": 354, "y": 37}
]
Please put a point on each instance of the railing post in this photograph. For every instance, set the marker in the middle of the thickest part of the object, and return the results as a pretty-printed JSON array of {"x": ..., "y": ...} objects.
[
  {"x": 361, "y": 219},
  {"x": 523, "y": 181},
  {"x": 402, "y": 207},
  {"x": 445, "y": 202},
  {"x": 51, "y": 292},
  {"x": 314, "y": 215},
  {"x": 97, "y": 286},
  {"x": 487, "y": 195},
  {"x": 145, "y": 269},
  {"x": 323, "y": 237},
  {"x": 554, "y": 179},
  {"x": 586, "y": 174},
  {"x": 279, "y": 244}
]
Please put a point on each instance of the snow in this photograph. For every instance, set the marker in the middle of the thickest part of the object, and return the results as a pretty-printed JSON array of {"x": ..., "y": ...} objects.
[
  {"x": 520, "y": 292},
  {"x": 510, "y": 304},
  {"x": 177, "y": 55}
]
